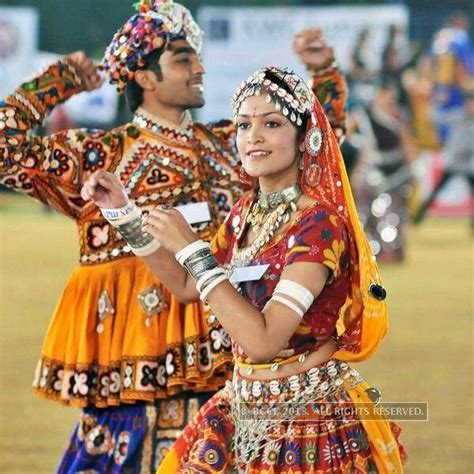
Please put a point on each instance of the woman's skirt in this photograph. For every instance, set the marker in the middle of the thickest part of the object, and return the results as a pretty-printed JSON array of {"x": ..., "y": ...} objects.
[{"x": 320, "y": 421}]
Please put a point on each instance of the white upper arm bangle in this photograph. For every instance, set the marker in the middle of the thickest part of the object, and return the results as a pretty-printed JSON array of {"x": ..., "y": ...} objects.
[
  {"x": 295, "y": 291},
  {"x": 287, "y": 291},
  {"x": 283, "y": 300}
]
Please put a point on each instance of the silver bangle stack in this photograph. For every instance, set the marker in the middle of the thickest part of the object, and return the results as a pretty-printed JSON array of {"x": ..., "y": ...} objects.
[
  {"x": 198, "y": 260},
  {"x": 128, "y": 221}
]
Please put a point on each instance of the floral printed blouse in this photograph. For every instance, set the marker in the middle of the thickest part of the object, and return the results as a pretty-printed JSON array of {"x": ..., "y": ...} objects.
[{"x": 315, "y": 235}]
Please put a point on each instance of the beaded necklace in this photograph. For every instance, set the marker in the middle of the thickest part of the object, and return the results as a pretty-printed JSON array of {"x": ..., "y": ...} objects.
[
  {"x": 184, "y": 131},
  {"x": 268, "y": 201},
  {"x": 270, "y": 211}
]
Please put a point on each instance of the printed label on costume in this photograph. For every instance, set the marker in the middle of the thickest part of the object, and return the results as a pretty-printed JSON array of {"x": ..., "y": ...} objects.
[
  {"x": 195, "y": 212},
  {"x": 250, "y": 273}
]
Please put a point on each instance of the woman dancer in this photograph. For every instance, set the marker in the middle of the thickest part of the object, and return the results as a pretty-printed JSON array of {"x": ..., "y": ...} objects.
[{"x": 291, "y": 277}]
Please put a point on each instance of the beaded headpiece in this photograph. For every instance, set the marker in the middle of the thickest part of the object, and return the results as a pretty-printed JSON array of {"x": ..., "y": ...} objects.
[
  {"x": 363, "y": 318},
  {"x": 294, "y": 104},
  {"x": 156, "y": 24}
]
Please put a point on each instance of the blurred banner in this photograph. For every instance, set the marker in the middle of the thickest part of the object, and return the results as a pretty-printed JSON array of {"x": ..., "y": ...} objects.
[
  {"x": 240, "y": 40},
  {"x": 18, "y": 45}
]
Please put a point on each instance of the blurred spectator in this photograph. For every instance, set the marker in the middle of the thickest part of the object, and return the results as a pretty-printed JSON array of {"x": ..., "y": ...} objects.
[
  {"x": 453, "y": 72},
  {"x": 418, "y": 83},
  {"x": 459, "y": 157},
  {"x": 398, "y": 55},
  {"x": 393, "y": 50},
  {"x": 359, "y": 69},
  {"x": 8, "y": 40},
  {"x": 360, "y": 78},
  {"x": 382, "y": 180}
]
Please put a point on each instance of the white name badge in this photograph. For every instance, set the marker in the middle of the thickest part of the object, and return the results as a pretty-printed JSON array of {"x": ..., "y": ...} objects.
[
  {"x": 195, "y": 212},
  {"x": 250, "y": 273}
]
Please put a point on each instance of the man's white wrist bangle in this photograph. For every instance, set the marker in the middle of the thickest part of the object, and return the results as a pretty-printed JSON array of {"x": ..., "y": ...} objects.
[
  {"x": 128, "y": 221},
  {"x": 122, "y": 215}
]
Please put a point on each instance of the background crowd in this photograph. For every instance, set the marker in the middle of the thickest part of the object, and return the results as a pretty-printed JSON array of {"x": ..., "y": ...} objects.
[{"x": 419, "y": 100}]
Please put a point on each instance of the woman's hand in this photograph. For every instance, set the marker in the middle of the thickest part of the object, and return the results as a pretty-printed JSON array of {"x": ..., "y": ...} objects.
[
  {"x": 313, "y": 50},
  {"x": 106, "y": 190},
  {"x": 86, "y": 69},
  {"x": 169, "y": 227}
]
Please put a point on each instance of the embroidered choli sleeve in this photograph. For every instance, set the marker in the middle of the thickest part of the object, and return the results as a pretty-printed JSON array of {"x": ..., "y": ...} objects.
[
  {"x": 329, "y": 86},
  {"x": 221, "y": 244},
  {"x": 51, "y": 169},
  {"x": 320, "y": 237}
]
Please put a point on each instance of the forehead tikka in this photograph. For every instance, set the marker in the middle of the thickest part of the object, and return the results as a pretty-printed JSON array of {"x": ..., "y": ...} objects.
[
  {"x": 282, "y": 100},
  {"x": 292, "y": 105}
]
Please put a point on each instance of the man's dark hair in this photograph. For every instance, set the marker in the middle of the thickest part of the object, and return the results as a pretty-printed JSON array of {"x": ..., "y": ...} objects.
[{"x": 134, "y": 92}]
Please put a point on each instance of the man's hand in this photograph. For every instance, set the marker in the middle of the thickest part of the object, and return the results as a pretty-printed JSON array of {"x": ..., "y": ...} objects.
[
  {"x": 87, "y": 70},
  {"x": 313, "y": 50},
  {"x": 105, "y": 190}
]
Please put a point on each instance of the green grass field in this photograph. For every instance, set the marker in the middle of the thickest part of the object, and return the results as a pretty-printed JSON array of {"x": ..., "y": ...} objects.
[{"x": 427, "y": 355}]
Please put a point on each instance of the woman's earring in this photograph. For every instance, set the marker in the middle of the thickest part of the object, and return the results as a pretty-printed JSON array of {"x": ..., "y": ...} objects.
[{"x": 301, "y": 162}]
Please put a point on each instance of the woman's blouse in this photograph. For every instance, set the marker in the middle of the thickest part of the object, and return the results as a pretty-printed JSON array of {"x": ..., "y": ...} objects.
[{"x": 316, "y": 235}]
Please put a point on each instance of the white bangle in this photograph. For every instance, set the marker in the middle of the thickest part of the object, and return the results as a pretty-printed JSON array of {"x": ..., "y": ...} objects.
[
  {"x": 211, "y": 286},
  {"x": 183, "y": 254},
  {"x": 123, "y": 215},
  {"x": 114, "y": 214},
  {"x": 295, "y": 291},
  {"x": 129, "y": 217},
  {"x": 283, "y": 300},
  {"x": 207, "y": 275}
]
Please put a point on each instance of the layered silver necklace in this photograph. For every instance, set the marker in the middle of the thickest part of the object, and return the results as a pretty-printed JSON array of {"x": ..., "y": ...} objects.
[{"x": 268, "y": 202}]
